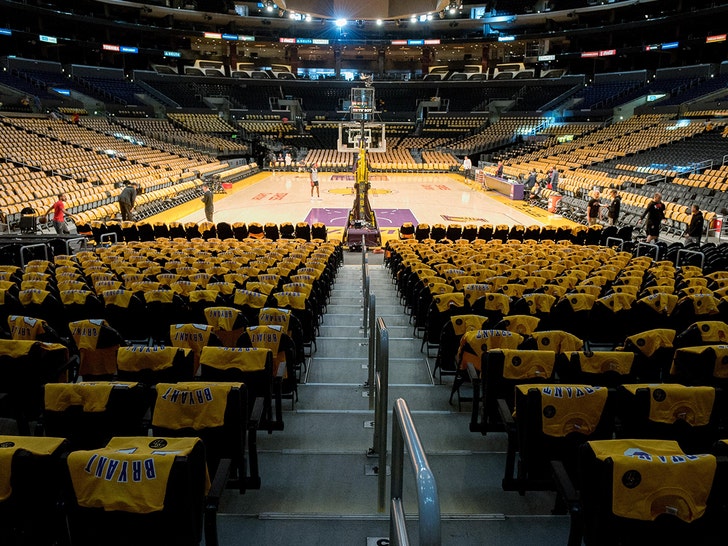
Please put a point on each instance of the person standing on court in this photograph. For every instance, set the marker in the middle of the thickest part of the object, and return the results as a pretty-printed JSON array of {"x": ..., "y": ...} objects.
[
  {"x": 314, "y": 180},
  {"x": 531, "y": 180},
  {"x": 59, "y": 215},
  {"x": 207, "y": 198},
  {"x": 126, "y": 200},
  {"x": 613, "y": 208},
  {"x": 695, "y": 227},
  {"x": 654, "y": 215},
  {"x": 467, "y": 167}
]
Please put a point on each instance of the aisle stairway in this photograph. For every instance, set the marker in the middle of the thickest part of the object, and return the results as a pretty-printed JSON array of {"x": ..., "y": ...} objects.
[{"x": 316, "y": 489}]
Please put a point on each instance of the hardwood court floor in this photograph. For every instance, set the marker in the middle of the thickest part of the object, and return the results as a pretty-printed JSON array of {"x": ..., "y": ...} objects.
[{"x": 430, "y": 198}]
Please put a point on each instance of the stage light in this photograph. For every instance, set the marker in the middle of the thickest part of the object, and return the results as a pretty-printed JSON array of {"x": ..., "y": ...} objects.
[
  {"x": 413, "y": 19},
  {"x": 341, "y": 22},
  {"x": 379, "y": 22}
]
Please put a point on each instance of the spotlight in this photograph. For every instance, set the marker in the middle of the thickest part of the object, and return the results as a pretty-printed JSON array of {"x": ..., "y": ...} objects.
[
  {"x": 270, "y": 5},
  {"x": 340, "y": 22},
  {"x": 413, "y": 19},
  {"x": 379, "y": 22}
]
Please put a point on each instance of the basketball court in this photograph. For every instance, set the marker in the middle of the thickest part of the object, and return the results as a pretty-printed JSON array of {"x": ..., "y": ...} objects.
[{"x": 395, "y": 197}]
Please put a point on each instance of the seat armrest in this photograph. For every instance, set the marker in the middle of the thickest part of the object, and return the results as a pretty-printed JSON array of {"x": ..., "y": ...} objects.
[
  {"x": 212, "y": 502},
  {"x": 256, "y": 413},
  {"x": 506, "y": 415}
]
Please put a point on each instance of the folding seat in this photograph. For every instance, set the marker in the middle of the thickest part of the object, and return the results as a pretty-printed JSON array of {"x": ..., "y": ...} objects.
[
  {"x": 271, "y": 231},
  {"x": 167, "y": 504},
  {"x": 516, "y": 233},
  {"x": 42, "y": 304},
  {"x": 256, "y": 231},
  {"x": 500, "y": 232},
  {"x": 129, "y": 231},
  {"x": 611, "y": 319},
  {"x": 407, "y": 231},
  {"x": 706, "y": 332},
  {"x": 284, "y": 354},
  {"x": 89, "y": 414},
  {"x": 287, "y": 231},
  {"x": 254, "y": 368},
  {"x": 31, "y": 490},
  {"x": 654, "y": 351},
  {"x": 126, "y": 312},
  {"x": 532, "y": 233},
  {"x": 25, "y": 366},
  {"x": 491, "y": 304},
  {"x": 80, "y": 304},
  {"x": 303, "y": 231},
  {"x": 228, "y": 324},
  {"x": 291, "y": 324},
  {"x": 422, "y": 232},
  {"x": 689, "y": 415},
  {"x": 502, "y": 370},
  {"x": 473, "y": 347},
  {"x": 524, "y": 325},
  {"x": 162, "y": 308},
  {"x": 225, "y": 231},
  {"x": 176, "y": 230},
  {"x": 97, "y": 344},
  {"x": 453, "y": 232},
  {"x": 449, "y": 341},
  {"x": 155, "y": 364},
  {"x": 441, "y": 308},
  {"x": 29, "y": 328},
  {"x": 694, "y": 308},
  {"x": 301, "y": 308},
  {"x": 215, "y": 412},
  {"x": 605, "y": 368},
  {"x": 550, "y": 422},
  {"x": 240, "y": 230},
  {"x": 438, "y": 232},
  {"x": 194, "y": 337},
  {"x": 636, "y": 491},
  {"x": 654, "y": 309},
  {"x": 145, "y": 231},
  {"x": 200, "y": 300},
  {"x": 571, "y": 313},
  {"x": 319, "y": 232},
  {"x": 250, "y": 303}
]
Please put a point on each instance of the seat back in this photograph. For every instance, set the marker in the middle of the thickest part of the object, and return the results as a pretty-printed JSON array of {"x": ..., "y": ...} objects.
[
  {"x": 30, "y": 490},
  {"x": 90, "y": 414},
  {"x": 634, "y": 491},
  {"x": 139, "y": 490},
  {"x": 215, "y": 412}
]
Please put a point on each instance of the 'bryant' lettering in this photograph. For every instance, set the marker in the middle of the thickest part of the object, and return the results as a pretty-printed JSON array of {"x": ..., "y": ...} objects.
[
  {"x": 86, "y": 332},
  {"x": 189, "y": 336},
  {"x": 568, "y": 392},
  {"x": 221, "y": 313},
  {"x": 189, "y": 398},
  {"x": 104, "y": 468}
]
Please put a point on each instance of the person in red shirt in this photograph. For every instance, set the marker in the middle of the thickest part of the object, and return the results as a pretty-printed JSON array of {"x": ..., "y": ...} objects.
[{"x": 59, "y": 214}]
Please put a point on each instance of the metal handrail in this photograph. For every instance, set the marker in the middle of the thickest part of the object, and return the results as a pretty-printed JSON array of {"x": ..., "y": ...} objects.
[
  {"x": 404, "y": 433},
  {"x": 643, "y": 244},
  {"x": 28, "y": 247},
  {"x": 372, "y": 350},
  {"x": 381, "y": 397},
  {"x": 110, "y": 235},
  {"x": 614, "y": 241},
  {"x": 686, "y": 252}
]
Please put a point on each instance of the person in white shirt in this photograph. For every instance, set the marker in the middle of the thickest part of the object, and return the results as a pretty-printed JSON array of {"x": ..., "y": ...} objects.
[{"x": 467, "y": 167}]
